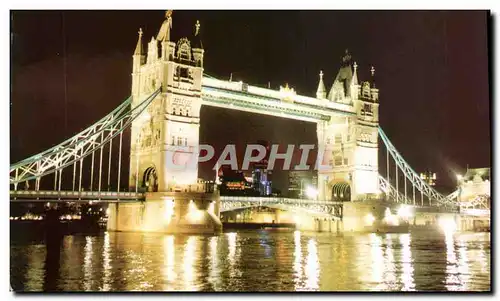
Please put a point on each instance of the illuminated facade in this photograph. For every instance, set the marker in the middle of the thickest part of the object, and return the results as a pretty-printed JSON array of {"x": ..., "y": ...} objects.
[
  {"x": 346, "y": 117},
  {"x": 234, "y": 183},
  {"x": 261, "y": 176},
  {"x": 429, "y": 177},
  {"x": 475, "y": 183},
  {"x": 173, "y": 118},
  {"x": 351, "y": 142}
]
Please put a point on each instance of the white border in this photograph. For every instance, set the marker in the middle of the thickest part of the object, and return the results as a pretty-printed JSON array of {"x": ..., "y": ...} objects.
[{"x": 198, "y": 4}]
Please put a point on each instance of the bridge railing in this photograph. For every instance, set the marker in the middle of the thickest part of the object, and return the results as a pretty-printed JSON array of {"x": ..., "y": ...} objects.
[
  {"x": 274, "y": 200},
  {"x": 30, "y": 194}
]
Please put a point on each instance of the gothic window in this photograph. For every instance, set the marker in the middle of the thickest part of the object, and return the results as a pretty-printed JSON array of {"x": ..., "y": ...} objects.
[
  {"x": 338, "y": 161},
  {"x": 179, "y": 141},
  {"x": 327, "y": 140},
  {"x": 346, "y": 161},
  {"x": 184, "y": 50},
  {"x": 348, "y": 138},
  {"x": 173, "y": 140},
  {"x": 338, "y": 138},
  {"x": 180, "y": 112},
  {"x": 187, "y": 112},
  {"x": 185, "y": 141}
]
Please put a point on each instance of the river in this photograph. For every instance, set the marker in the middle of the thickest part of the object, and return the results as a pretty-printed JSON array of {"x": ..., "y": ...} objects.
[{"x": 258, "y": 260}]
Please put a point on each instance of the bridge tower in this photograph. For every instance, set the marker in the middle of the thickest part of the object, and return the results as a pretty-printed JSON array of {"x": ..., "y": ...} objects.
[
  {"x": 349, "y": 168},
  {"x": 164, "y": 141},
  {"x": 166, "y": 137}
]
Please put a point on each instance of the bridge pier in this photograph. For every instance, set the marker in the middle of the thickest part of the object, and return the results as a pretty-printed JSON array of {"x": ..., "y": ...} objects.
[{"x": 168, "y": 212}]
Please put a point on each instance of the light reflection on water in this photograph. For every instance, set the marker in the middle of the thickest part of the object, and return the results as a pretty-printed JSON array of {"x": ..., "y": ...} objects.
[{"x": 254, "y": 261}]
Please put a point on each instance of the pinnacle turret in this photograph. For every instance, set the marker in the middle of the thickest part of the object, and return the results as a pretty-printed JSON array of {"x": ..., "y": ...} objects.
[
  {"x": 321, "y": 92},
  {"x": 138, "y": 48},
  {"x": 197, "y": 36},
  {"x": 355, "y": 74}
]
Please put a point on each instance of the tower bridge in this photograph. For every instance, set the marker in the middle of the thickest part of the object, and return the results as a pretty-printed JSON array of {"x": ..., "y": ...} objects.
[{"x": 169, "y": 86}]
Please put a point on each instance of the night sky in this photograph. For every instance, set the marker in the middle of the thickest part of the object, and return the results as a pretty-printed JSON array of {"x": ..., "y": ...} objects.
[{"x": 431, "y": 69}]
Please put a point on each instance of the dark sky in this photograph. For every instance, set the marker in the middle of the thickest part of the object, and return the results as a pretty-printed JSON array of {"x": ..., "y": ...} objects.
[{"x": 431, "y": 69}]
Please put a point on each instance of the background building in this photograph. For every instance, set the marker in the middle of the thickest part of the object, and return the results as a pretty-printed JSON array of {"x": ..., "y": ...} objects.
[
  {"x": 429, "y": 177},
  {"x": 234, "y": 183},
  {"x": 261, "y": 177}
]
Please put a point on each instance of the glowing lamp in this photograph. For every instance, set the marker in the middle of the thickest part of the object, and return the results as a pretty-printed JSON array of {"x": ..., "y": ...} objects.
[
  {"x": 369, "y": 219},
  {"x": 404, "y": 212},
  {"x": 311, "y": 192},
  {"x": 447, "y": 224}
]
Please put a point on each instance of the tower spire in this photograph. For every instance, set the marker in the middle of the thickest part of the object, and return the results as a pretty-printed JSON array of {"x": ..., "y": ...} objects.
[
  {"x": 197, "y": 36},
  {"x": 164, "y": 33},
  {"x": 138, "y": 48},
  {"x": 372, "y": 71},
  {"x": 197, "y": 27},
  {"x": 321, "y": 92},
  {"x": 355, "y": 75}
]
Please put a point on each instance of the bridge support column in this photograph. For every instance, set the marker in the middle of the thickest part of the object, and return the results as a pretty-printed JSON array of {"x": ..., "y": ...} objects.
[{"x": 171, "y": 212}]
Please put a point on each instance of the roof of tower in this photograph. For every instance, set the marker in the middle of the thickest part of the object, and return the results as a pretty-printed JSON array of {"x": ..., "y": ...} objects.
[
  {"x": 484, "y": 173},
  {"x": 344, "y": 74},
  {"x": 138, "y": 47},
  {"x": 197, "y": 43}
]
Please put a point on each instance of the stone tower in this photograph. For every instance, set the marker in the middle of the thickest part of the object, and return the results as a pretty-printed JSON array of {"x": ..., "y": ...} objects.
[
  {"x": 165, "y": 137},
  {"x": 349, "y": 169}
]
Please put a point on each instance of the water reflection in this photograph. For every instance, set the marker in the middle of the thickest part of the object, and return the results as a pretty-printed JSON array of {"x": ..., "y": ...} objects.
[
  {"x": 106, "y": 264},
  {"x": 452, "y": 281},
  {"x": 87, "y": 264},
  {"x": 286, "y": 261},
  {"x": 390, "y": 280},
  {"x": 312, "y": 266},
  {"x": 377, "y": 264},
  {"x": 297, "y": 263},
  {"x": 188, "y": 265},
  {"x": 231, "y": 244},
  {"x": 214, "y": 277},
  {"x": 169, "y": 261},
  {"x": 35, "y": 271},
  {"x": 407, "y": 263}
]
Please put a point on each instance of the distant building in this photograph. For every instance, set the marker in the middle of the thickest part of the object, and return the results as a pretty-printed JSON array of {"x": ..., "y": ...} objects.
[
  {"x": 429, "y": 177},
  {"x": 234, "y": 183},
  {"x": 299, "y": 180},
  {"x": 261, "y": 177}
]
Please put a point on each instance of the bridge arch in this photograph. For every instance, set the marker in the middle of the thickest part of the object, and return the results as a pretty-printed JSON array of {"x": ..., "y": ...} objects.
[
  {"x": 341, "y": 192},
  {"x": 150, "y": 179}
]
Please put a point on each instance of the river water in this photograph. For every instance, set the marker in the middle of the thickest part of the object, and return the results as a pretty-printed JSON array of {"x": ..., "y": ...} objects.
[{"x": 259, "y": 260}]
